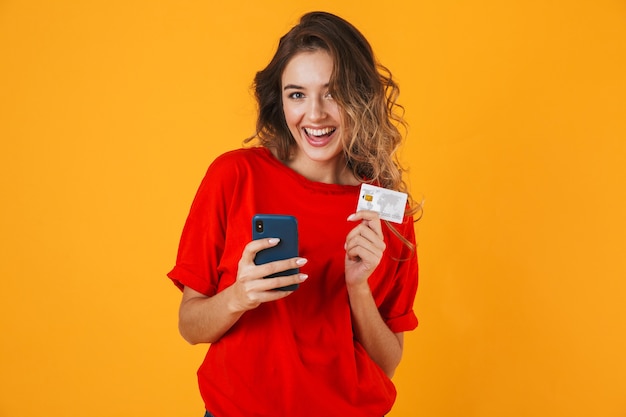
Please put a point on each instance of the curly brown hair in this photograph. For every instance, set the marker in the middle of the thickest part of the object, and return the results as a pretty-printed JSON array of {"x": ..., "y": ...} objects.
[{"x": 364, "y": 90}]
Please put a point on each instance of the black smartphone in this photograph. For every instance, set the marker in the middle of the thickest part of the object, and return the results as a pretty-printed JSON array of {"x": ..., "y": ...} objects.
[{"x": 285, "y": 228}]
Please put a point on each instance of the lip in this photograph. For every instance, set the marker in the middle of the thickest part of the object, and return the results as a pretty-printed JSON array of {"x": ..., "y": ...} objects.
[{"x": 318, "y": 141}]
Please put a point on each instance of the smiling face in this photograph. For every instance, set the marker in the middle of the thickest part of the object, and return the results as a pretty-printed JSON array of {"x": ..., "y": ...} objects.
[{"x": 313, "y": 118}]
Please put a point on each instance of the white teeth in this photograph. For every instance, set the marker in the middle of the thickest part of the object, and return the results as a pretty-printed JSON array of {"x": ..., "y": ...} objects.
[{"x": 318, "y": 132}]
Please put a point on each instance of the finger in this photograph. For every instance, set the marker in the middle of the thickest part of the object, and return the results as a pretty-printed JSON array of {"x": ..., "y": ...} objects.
[
  {"x": 370, "y": 218},
  {"x": 255, "y": 246},
  {"x": 368, "y": 234},
  {"x": 364, "y": 215},
  {"x": 262, "y": 290},
  {"x": 361, "y": 247},
  {"x": 270, "y": 284},
  {"x": 366, "y": 258},
  {"x": 275, "y": 267}
]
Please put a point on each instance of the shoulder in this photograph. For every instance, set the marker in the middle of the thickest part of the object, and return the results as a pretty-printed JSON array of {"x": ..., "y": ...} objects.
[
  {"x": 239, "y": 156},
  {"x": 240, "y": 167},
  {"x": 407, "y": 227},
  {"x": 400, "y": 236},
  {"x": 227, "y": 174},
  {"x": 240, "y": 159}
]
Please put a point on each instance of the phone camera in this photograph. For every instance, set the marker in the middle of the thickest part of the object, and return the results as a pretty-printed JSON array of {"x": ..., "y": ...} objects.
[{"x": 259, "y": 226}]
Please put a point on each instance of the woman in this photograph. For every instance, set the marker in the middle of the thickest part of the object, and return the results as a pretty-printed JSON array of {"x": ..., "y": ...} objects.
[{"x": 326, "y": 124}]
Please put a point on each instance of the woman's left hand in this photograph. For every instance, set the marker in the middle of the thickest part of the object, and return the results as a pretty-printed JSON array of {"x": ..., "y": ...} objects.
[{"x": 364, "y": 247}]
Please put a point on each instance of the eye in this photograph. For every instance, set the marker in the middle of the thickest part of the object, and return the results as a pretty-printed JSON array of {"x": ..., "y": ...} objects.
[
  {"x": 328, "y": 95},
  {"x": 296, "y": 95}
]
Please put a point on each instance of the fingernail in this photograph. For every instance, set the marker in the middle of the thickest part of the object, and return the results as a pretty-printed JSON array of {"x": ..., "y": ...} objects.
[
  {"x": 303, "y": 277},
  {"x": 352, "y": 216},
  {"x": 274, "y": 240},
  {"x": 301, "y": 261}
]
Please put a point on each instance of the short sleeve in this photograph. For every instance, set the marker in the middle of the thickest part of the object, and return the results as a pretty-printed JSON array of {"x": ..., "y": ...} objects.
[
  {"x": 397, "y": 308},
  {"x": 202, "y": 241}
]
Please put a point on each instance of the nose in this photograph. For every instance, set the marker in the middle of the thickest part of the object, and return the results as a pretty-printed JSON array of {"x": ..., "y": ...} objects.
[{"x": 317, "y": 109}]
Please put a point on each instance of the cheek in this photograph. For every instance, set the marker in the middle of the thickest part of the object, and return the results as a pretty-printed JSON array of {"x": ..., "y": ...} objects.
[
  {"x": 291, "y": 116},
  {"x": 334, "y": 111}
]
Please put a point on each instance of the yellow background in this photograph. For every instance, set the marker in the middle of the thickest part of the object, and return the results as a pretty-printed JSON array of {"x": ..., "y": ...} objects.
[{"x": 110, "y": 112}]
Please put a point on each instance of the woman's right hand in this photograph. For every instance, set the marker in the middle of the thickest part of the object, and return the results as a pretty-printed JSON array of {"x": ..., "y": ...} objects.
[
  {"x": 204, "y": 319},
  {"x": 251, "y": 288}
]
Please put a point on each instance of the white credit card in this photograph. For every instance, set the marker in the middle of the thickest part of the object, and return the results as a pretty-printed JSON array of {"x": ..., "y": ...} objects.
[{"x": 388, "y": 204}]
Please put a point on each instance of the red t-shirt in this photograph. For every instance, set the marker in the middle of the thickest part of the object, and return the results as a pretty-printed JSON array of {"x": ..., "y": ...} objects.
[{"x": 296, "y": 356}]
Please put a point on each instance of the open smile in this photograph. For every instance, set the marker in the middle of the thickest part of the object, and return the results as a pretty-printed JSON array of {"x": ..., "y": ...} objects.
[{"x": 319, "y": 137}]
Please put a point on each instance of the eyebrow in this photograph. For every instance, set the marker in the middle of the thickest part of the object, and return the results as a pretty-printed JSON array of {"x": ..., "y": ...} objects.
[{"x": 297, "y": 87}]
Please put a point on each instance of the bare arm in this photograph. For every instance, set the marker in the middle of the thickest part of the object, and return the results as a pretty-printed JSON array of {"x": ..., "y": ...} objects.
[
  {"x": 383, "y": 346},
  {"x": 205, "y": 319},
  {"x": 364, "y": 250}
]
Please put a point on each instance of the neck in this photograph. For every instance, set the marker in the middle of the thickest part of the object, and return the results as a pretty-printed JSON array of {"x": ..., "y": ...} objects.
[{"x": 328, "y": 172}]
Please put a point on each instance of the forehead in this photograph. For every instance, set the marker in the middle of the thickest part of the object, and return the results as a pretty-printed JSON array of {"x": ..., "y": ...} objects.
[{"x": 309, "y": 67}]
